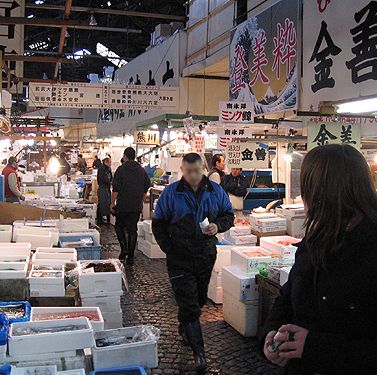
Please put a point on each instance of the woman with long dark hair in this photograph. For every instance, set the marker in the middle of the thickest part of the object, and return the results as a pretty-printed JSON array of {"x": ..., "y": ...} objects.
[{"x": 326, "y": 315}]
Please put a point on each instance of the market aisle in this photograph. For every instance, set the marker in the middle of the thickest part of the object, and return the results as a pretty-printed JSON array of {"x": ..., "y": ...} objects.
[{"x": 150, "y": 301}]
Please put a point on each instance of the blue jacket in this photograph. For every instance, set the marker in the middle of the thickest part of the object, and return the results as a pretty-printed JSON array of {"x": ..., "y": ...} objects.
[{"x": 179, "y": 211}]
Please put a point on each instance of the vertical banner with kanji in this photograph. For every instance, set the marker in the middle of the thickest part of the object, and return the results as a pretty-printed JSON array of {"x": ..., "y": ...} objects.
[
  {"x": 339, "y": 51},
  {"x": 247, "y": 155},
  {"x": 263, "y": 59},
  {"x": 325, "y": 133}
]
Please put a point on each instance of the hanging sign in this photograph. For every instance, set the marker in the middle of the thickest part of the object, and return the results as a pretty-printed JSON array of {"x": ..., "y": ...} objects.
[
  {"x": 324, "y": 133},
  {"x": 109, "y": 96},
  {"x": 263, "y": 59},
  {"x": 236, "y": 112},
  {"x": 147, "y": 137},
  {"x": 339, "y": 51},
  {"x": 246, "y": 155},
  {"x": 198, "y": 144},
  {"x": 226, "y": 135}
]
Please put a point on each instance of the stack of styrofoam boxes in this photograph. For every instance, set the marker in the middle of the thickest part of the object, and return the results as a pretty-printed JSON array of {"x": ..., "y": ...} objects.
[
  {"x": 281, "y": 247},
  {"x": 55, "y": 313},
  {"x": 52, "y": 342},
  {"x": 14, "y": 260},
  {"x": 149, "y": 246},
  {"x": 47, "y": 281},
  {"x": 240, "y": 236},
  {"x": 295, "y": 215},
  {"x": 37, "y": 236},
  {"x": 6, "y": 233},
  {"x": 103, "y": 290},
  {"x": 241, "y": 297},
  {"x": 268, "y": 223},
  {"x": 52, "y": 256}
]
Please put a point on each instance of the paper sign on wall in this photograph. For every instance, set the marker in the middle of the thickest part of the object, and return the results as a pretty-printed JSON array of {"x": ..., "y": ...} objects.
[
  {"x": 227, "y": 135},
  {"x": 324, "y": 133},
  {"x": 147, "y": 137},
  {"x": 247, "y": 155},
  {"x": 237, "y": 112}
]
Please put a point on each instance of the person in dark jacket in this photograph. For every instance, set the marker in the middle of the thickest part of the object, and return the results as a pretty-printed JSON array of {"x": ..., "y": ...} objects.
[
  {"x": 218, "y": 166},
  {"x": 81, "y": 164},
  {"x": 190, "y": 249},
  {"x": 65, "y": 168},
  {"x": 104, "y": 179},
  {"x": 327, "y": 312},
  {"x": 235, "y": 183},
  {"x": 97, "y": 163},
  {"x": 130, "y": 186}
]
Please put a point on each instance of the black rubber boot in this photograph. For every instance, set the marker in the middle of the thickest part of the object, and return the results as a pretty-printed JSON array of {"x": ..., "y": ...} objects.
[
  {"x": 182, "y": 333},
  {"x": 122, "y": 238},
  {"x": 131, "y": 245},
  {"x": 195, "y": 337}
]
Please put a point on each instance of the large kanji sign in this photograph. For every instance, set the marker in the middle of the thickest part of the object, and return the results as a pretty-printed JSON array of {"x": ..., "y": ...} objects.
[
  {"x": 91, "y": 95},
  {"x": 339, "y": 51},
  {"x": 246, "y": 155},
  {"x": 263, "y": 59},
  {"x": 237, "y": 112},
  {"x": 147, "y": 137},
  {"x": 325, "y": 133},
  {"x": 229, "y": 134}
]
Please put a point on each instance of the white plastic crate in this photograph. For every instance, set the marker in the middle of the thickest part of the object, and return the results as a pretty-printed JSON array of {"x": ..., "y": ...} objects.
[
  {"x": 243, "y": 317},
  {"x": 6, "y": 233},
  {"x": 250, "y": 259},
  {"x": 36, "y": 240},
  {"x": 41, "y": 313},
  {"x": 138, "y": 353},
  {"x": 215, "y": 294},
  {"x": 39, "y": 343},
  {"x": 113, "y": 320},
  {"x": 285, "y": 252},
  {"x": 147, "y": 226},
  {"x": 243, "y": 240},
  {"x": 106, "y": 304},
  {"x": 99, "y": 282},
  {"x": 239, "y": 284}
]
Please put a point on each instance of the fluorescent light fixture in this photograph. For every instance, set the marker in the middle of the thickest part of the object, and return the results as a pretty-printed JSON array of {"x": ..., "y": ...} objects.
[
  {"x": 30, "y": 16},
  {"x": 39, "y": 2},
  {"x": 360, "y": 106},
  {"x": 79, "y": 54},
  {"x": 109, "y": 3},
  {"x": 154, "y": 127},
  {"x": 110, "y": 55},
  {"x": 53, "y": 143}
]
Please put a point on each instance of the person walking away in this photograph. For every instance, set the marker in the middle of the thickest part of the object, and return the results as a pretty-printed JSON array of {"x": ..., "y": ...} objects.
[
  {"x": 81, "y": 164},
  {"x": 326, "y": 314},
  {"x": 218, "y": 167},
  {"x": 104, "y": 179},
  {"x": 64, "y": 165},
  {"x": 235, "y": 183},
  {"x": 191, "y": 251},
  {"x": 130, "y": 186},
  {"x": 97, "y": 163},
  {"x": 12, "y": 184}
]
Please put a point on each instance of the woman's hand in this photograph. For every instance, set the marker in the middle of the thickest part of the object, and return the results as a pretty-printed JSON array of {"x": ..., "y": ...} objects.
[
  {"x": 273, "y": 357},
  {"x": 292, "y": 349}
]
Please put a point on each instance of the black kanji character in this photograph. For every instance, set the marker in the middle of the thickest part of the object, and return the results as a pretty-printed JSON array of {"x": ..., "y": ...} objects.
[
  {"x": 169, "y": 74},
  {"x": 364, "y": 64},
  {"x": 241, "y": 132},
  {"x": 346, "y": 135},
  {"x": 322, "y": 69},
  {"x": 324, "y": 136},
  {"x": 243, "y": 106},
  {"x": 247, "y": 154},
  {"x": 229, "y": 106},
  {"x": 246, "y": 116},
  {"x": 260, "y": 154},
  {"x": 234, "y": 132},
  {"x": 227, "y": 131}
]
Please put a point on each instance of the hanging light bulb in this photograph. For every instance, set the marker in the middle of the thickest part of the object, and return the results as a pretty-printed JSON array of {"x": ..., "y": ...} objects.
[{"x": 92, "y": 20}]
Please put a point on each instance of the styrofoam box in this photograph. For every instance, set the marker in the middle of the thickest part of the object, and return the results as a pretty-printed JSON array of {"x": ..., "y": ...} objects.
[
  {"x": 140, "y": 229},
  {"x": 216, "y": 279},
  {"x": 223, "y": 257},
  {"x": 106, "y": 304},
  {"x": 237, "y": 231},
  {"x": 141, "y": 245},
  {"x": 79, "y": 371},
  {"x": 113, "y": 319},
  {"x": 285, "y": 252},
  {"x": 15, "y": 249},
  {"x": 272, "y": 222},
  {"x": 293, "y": 210},
  {"x": 6, "y": 233},
  {"x": 270, "y": 229},
  {"x": 38, "y": 312},
  {"x": 239, "y": 284},
  {"x": 215, "y": 294},
  {"x": 254, "y": 217},
  {"x": 114, "y": 293},
  {"x": 74, "y": 225},
  {"x": 35, "y": 370},
  {"x": 51, "y": 342},
  {"x": 66, "y": 257},
  {"x": 147, "y": 226},
  {"x": 295, "y": 227},
  {"x": 37, "y": 231},
  {"x": 243, "y": 240},
  {"x": 149, "y": 237},
  {"x": 243, "y": 317},
  {"x": 284, "y": 275},
  {"x": 101, "y": 282},
  {"x": 153, "y": 251},
  {"x": 250, "y": 264},
  {"x": 21, "y": 357},
  {"x": 19, "y": 270},
  {"x": 36, "y": 240},
  {"x": 46, "y": 286},
  {"x": 137, "y": 353}
]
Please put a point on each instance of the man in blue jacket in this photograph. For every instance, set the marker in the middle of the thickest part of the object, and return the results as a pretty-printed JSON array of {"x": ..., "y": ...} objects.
[{"x": 190, "y": 247}]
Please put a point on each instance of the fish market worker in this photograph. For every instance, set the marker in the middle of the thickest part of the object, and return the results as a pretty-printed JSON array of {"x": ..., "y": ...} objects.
[
  {"x": 190, "y": 244},
  {"x": 12, "y": 183}
]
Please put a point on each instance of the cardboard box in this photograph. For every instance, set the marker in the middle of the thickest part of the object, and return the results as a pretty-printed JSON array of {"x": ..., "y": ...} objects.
[
  {"x": 260, "y": 235},
  {"x": 295, "y": 227}
]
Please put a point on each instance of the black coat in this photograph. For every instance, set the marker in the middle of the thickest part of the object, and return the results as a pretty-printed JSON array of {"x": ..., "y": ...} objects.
[
  {"x": 338, "y": 307},
  {"x": 235, "y": 185},
  {"x": 131, "y": 182},
  {"x": 104, "y": 178}
]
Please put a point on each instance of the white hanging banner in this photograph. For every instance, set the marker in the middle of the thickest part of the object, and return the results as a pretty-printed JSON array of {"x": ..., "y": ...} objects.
[
  {"x": 110, "y": 96},
  {"x": 228, "y": 134},
  {"x": 339, "y": 51},
  {"x": 247, "y": 155},
  {"x": 236, "y": 112}
]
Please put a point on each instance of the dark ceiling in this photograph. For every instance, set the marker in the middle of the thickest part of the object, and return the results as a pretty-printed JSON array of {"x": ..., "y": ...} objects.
[{"x": 126, "y": 45}]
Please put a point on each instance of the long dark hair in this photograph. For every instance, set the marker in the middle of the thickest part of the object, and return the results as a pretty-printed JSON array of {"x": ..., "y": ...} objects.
[{"x": 337, "y": 188}]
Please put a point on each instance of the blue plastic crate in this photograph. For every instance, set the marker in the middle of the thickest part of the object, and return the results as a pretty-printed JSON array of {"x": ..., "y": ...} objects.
[
  {"x": 4, "y": 328},
  {"x": 26, "y": 306},
  {"x": 6, "y": 369},
  {"x": 83, "y": 252},
  {"x": 128, "y": 370}
]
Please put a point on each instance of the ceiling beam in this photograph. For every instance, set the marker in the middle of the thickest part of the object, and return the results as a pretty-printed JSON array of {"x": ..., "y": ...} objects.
[
  {"x": 117, "y": 12},
  {"x": 37, "y": 80},
  {"x": 42, "y": 59}
]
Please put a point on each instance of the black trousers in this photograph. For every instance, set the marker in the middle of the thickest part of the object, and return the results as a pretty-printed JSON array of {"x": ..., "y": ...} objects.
[
  {"x": 127, "y": 222},
  {"x": 189, "y": 277}
]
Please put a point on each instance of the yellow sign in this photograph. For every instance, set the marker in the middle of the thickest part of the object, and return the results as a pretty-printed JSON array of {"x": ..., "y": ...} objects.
[{"x": 147, "y": 137}]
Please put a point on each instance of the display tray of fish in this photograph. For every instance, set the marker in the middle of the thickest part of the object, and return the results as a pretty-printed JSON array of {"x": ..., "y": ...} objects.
[
  {"x": 47, "y": 268},
  {"x": 113, "y": 341},
  {"x": 13, "y": 311},
  {"x": 67, "y": 315},
  {"x": 46, "y": 274},
  {"x": 28, "y": 330},
  {"x": 101, "y": 267}
]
